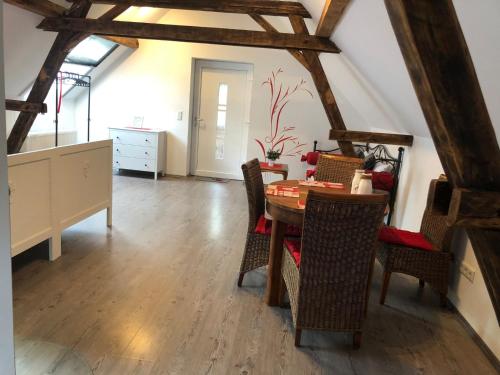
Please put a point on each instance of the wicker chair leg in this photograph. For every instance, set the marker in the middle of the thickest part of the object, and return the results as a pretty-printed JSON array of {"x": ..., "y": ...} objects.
[
  {"x": 281, "y": 297},
  {"x": 421, "y": 283},
  {"x": 356, "y": 340},
  {"x": 385, "y": 286},
  {"x": 443, "y": 300},
  {"x": 240, "y": 279},
  {"x": 298, "y": 336}
]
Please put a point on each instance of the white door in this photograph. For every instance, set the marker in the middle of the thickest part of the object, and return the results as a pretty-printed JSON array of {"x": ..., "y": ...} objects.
[{"x": 220, "y": 133}]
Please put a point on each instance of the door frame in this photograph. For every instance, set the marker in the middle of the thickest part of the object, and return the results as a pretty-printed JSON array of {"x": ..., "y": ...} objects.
[{"x": 196, "y": 69}]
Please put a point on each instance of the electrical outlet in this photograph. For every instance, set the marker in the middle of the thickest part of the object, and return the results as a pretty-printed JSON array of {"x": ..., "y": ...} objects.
[{"x": 467, "y": 271}]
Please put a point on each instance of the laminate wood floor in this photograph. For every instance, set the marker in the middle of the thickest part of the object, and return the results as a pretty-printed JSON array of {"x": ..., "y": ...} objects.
[{"x": 158, "y": 295}]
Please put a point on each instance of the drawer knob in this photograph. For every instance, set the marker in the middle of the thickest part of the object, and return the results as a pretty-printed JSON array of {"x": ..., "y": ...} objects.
[{"x": 117, "y": 150}]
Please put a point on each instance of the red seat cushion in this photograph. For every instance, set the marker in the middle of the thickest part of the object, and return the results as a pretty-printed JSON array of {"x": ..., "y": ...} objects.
[
  {"x": 293, "y": 247},
  {"x": 405, "y": 238},
  {"x": 264, "y": 226},
  {"x": 382, "y": 180}
]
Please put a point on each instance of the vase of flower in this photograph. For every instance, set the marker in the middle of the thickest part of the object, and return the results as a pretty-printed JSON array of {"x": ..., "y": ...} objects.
[{"x": 272, "y": 156}]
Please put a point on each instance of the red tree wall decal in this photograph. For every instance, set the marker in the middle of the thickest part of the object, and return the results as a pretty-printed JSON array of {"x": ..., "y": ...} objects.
[{"x": 281, "y": 136}]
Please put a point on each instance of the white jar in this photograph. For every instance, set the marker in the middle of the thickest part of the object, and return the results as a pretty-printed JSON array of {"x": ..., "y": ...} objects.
[
  {"x": 270, "y": 163},
  {"x": 365, "y": 184},
  {"x": 355, "y": 180}
]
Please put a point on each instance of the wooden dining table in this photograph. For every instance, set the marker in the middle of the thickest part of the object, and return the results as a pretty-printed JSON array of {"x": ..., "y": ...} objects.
[{"x": 285, "y": 210}]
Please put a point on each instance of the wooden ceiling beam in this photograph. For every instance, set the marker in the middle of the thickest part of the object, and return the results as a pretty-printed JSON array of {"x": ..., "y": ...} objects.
[
  {"x": 262, "y": 7},
  {"x": 191, "y": 34},
  {"x": 62, "y": 46},
  {"x": 332, "y": 14},
  {"x": 323, "y": 87},
  {"x": 371, "y": 137},
  {"x": 271, "y": 29},
  {"x": 126, "y": 42},
  {"x": 479, "y": 209},
  {"x": 44, "y": 8},
  {"x": 47, "y": 9},
  {"x": 21, "y": 106},
  {"x": 445, "y": 81}
]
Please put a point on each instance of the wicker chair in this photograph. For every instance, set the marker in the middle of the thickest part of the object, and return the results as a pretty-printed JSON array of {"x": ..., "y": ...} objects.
[
  {"x": 337, "y": 168},
  {"x": 432, "y": 267},
  {"x": 256, "y": 252},
  {"x": 329, "y": 286},
  {"x": 257, "y": 245}
]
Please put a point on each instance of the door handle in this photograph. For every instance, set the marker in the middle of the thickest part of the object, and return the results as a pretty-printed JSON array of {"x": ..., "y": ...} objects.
[{"x": 199, "y": 122}]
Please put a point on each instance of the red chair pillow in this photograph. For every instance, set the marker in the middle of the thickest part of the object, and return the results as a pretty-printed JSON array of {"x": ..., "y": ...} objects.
[
  {"x": 264, "y": 227},
  {"x": 405, "y": 238},
  {"x": 293, "y": 247},
  {"x": 382, "y": 180},
  {"x": 311, "y": 158}
]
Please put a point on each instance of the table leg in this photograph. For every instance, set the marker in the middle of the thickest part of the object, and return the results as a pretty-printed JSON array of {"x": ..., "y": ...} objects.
[{"x": 275, "y": 256}]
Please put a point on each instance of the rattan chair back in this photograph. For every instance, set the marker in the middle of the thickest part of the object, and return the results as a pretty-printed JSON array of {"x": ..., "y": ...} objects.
[
  {"x": 337, "y": 168},
  {"x": 434, "y": 224},
  {"x": 338, "y": 250},
  {"x": 255, "y": 192}
]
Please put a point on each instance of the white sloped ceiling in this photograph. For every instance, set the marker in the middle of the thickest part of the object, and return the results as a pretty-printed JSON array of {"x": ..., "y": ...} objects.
[
  {"x": 26, "y": 47},
  {"x": 367, "y": 40}
]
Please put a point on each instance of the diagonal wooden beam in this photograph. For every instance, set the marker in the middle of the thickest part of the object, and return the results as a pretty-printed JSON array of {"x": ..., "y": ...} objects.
[
  {"x": 444, "y": 79},
  {"x": 21, "y": 106},
  {"x": 263, "y": 7},
  {"x": 43, "y": 8},
  {"x": 271, "y": 29},
  {"x": 323, "y": 86},
  {"x": 63, "y": 44},
  {"x": 190, "y": 34},
  {"x": 332, "y": 13}
]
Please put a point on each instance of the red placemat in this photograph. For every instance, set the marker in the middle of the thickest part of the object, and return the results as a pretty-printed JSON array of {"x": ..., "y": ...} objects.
[
  {"x": 275, "y": 166},
  {"x": 283, "y": 191}
]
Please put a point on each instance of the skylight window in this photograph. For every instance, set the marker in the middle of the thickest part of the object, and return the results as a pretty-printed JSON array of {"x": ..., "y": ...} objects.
[{"x": 91, "y": 51}]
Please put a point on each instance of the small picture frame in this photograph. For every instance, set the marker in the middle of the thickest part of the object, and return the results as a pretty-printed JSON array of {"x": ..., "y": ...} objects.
[{"x": 138, "y": 121}]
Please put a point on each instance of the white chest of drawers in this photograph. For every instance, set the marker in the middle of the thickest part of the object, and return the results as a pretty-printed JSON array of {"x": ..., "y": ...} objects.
[{"x": 139, "y": 150}]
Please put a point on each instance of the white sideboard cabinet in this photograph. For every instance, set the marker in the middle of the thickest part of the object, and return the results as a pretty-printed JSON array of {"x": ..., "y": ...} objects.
[{"x": 139, "y": 149}]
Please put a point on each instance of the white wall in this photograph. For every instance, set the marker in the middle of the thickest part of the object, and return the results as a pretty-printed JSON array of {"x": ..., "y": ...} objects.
[
  {"x": 6, "y": 318},
  {"x": 155, "y": 81}
]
